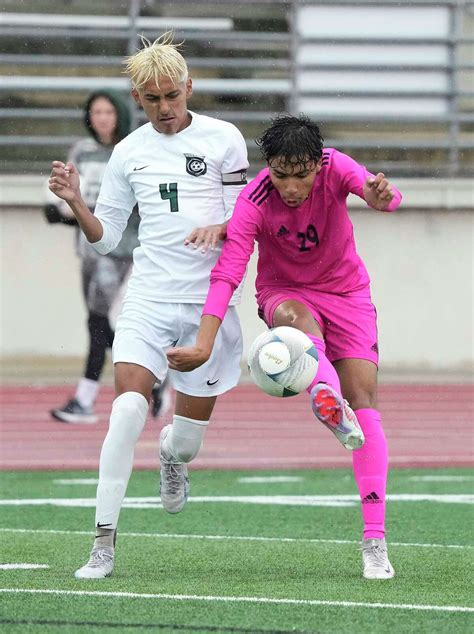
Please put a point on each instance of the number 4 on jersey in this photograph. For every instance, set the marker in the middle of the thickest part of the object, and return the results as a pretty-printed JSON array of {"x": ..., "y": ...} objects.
[{"x": 170, "y": 192}]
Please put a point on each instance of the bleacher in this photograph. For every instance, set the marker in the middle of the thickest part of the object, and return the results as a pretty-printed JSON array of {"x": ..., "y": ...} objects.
[
  {"x": 249, "y": 61},
  {"x": 390, "y": 82}
]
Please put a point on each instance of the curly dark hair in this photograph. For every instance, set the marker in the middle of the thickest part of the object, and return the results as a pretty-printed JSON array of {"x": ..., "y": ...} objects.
[{"x": 295, "y": 141}]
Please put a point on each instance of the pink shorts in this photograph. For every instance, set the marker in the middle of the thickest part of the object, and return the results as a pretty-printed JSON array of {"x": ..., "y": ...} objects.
[{"x": 348, "y": 321}]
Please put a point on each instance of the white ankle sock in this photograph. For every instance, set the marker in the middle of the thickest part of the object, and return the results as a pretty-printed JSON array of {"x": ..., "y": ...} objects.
[
  {"x": 184, "y": 439},
  {"x": 129, "y": 412},
  {"x": 86, "y": 392}
]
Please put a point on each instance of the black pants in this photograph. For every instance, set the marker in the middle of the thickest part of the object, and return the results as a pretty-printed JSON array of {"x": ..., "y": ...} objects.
[
  {"x": 101, "y": 337},
  {"x": 102, "y": 277}
]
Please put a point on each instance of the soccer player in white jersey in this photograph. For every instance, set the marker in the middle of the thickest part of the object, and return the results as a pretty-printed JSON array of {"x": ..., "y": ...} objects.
[{"x": 185, "y": 172}]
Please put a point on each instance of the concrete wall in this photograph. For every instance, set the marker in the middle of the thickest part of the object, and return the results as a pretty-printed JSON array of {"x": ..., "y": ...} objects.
[{"x": 421, "y": 264}]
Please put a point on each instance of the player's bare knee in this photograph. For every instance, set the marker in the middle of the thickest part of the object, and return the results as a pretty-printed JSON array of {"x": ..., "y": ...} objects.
[
  {"x": 290, "y": 317},
  {"x": 132, "y": 378},
  {"x": 362, "y": 399}
]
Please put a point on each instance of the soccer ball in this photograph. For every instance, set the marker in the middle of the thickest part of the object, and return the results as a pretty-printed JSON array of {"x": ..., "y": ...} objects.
[{"x": 283, "y": 361}]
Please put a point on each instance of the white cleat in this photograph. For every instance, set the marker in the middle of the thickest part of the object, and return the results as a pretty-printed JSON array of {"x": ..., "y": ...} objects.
[
  {"x": 99, "y": 566},
  {"x": 174, "y": 481},
  {"x": 333, "y": 412},
  {"x": 375, "y": 560}
]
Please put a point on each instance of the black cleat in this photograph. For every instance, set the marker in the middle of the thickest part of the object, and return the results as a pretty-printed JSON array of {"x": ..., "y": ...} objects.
[{"x": 73, "y": 412}]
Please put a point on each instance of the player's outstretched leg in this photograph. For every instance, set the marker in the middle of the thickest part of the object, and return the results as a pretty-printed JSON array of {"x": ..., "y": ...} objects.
[
  {"x": 328, "y": 405},
  {"x": 179, "y": 444},
  {"x": 333, "y": 412},
  {"x": 129, "y": 412}
]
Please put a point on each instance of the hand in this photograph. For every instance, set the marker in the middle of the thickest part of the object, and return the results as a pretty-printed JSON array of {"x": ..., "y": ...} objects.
[
  {"x": 186, "y": 359},
  {"x": 378, "y": 192},
  {"x": 206, "y": 238},
  {"x": 64, "y": 181}
]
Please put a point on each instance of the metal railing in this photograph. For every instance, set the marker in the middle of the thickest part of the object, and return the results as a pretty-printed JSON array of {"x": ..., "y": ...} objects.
[{"x": 245, "y": 76}]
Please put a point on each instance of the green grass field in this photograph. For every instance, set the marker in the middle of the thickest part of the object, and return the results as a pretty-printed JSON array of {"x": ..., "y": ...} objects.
[{"x": 235, "y": 562}]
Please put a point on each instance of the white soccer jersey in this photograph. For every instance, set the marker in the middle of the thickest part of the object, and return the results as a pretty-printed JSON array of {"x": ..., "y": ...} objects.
[{"x": 180, "y": 182}]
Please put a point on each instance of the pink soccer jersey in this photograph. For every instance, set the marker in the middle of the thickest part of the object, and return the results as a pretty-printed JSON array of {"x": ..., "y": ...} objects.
[{"x": 309, "y": 246}]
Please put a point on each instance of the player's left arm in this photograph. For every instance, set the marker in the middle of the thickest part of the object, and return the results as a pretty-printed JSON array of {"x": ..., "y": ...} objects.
[
  {"x": 378, "y": 192},
  {"x": 351, "y": 177}
]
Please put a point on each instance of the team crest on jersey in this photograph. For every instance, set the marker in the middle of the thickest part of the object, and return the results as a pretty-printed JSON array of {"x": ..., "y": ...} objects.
[{"x": 195, "y": 165}]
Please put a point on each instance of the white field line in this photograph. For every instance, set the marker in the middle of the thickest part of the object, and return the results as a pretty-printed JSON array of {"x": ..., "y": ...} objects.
[
  {"x": 155, "y": 502},
  {"x": 269, "y": 479},
  {"x": 210, "y": 598},
  {"x": 245, "y": 480},
  {"x": 275, "y": 479},
  {"x": 22, "y": 566},
  {"x": 246, "y": 538},
  {"x": 441, "y": 478},
  {"x": 285, "y": 500},
  {"x": 77, "y": 481},
  {"x": 315, "y": 462}
]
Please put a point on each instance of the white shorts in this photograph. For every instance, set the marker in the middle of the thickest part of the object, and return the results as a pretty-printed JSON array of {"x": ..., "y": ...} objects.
[{"x": 146, "y": 329}]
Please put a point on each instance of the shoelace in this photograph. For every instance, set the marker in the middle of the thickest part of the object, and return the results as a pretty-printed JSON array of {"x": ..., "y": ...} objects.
[
  {"x": 376, "y": 553},
  {"x": 97, "y": 557},
  {"x": 173, "y": 478}
]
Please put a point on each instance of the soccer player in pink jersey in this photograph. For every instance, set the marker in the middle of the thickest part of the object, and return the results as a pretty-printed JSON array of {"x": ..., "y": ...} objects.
[{"x": 310, "y": 277}]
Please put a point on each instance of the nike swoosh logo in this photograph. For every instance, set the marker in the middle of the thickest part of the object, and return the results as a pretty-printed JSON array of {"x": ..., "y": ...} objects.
[
  {"x": 137, "y": 169},
  {"x": 103, "y": 525},
  {"x": 212, "y": 382}
]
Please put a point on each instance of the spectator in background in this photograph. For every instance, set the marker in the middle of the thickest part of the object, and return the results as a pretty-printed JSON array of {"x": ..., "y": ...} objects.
[{"x": 107, "y": 119}]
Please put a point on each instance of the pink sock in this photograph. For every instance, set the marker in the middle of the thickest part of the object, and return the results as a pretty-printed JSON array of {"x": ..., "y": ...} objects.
[
  {"x": 326, "y": 372},
  {"x": 370, "y": 464}
]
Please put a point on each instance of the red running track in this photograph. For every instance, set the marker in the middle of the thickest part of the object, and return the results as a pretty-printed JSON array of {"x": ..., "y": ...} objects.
[{"x": 426, "y": 426}]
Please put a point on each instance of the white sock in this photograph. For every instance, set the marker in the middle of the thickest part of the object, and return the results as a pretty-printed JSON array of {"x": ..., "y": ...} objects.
[
  {"x": 127, "y": 420},
  {"x": 86, "y": 392},
  {"x": 184, "y": 439}
]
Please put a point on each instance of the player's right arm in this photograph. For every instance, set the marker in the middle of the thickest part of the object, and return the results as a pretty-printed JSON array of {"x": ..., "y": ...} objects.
[
  {"x": 65, "y": 183},
  {"x": 189, "y": 358},
  {"x": 226, "y": 275},
  {"x": 115, "y": 202}
]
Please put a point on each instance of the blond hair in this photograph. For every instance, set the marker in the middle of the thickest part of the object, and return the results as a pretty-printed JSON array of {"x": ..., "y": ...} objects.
[{"x": 155, "y": 60}]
